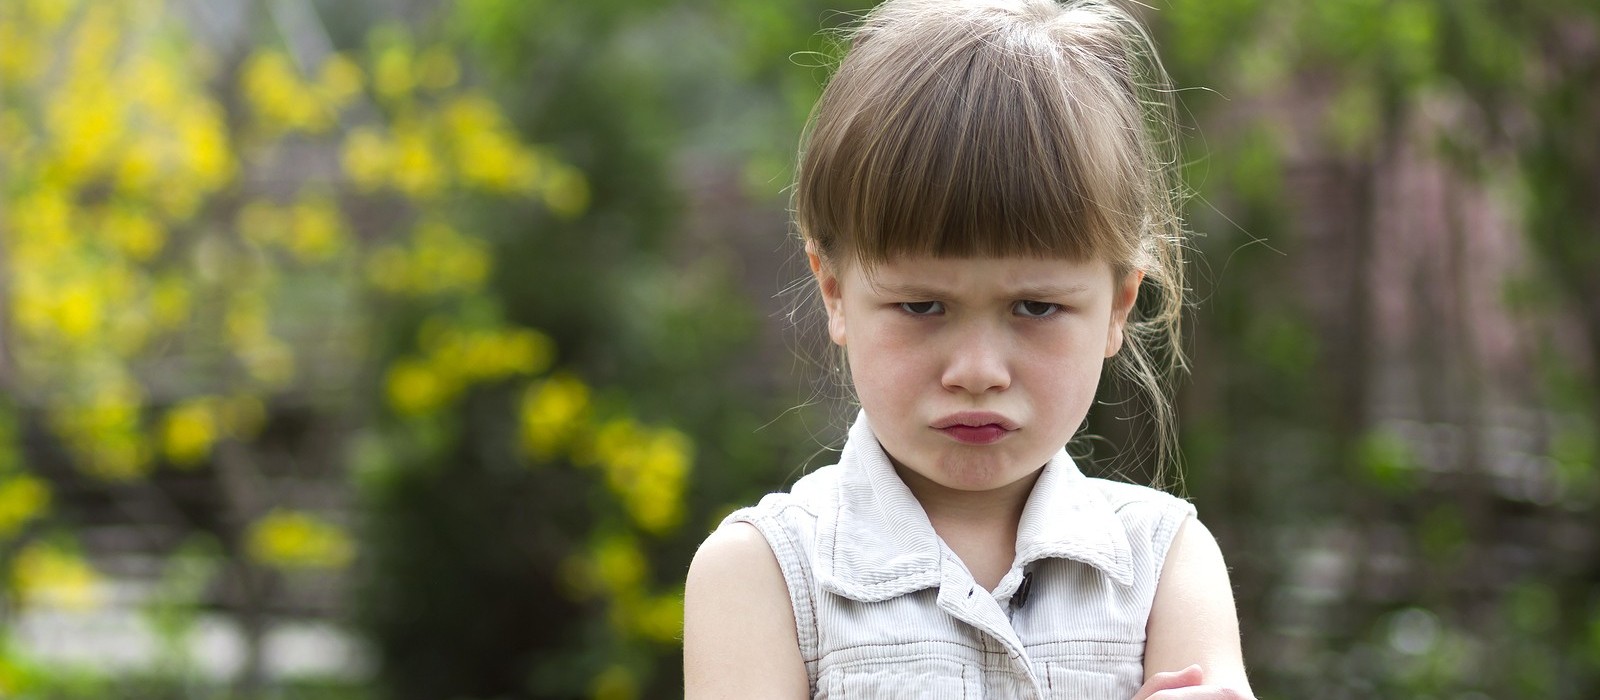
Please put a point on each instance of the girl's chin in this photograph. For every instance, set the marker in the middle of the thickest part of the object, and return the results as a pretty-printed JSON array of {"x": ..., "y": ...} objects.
[
  {"x": 973, "y": 475},
  {"x": 979, "y": 482}
]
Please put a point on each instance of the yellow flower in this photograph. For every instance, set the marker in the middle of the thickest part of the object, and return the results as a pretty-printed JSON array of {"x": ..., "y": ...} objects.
[
  {"x": 78, "y": 312},
  {"x": 133, "y": 233},
  {"x": 316, "y": 231},
  {"x": 654, "y": 494},
  {"x": 473, "y": 113},
  {"x": 290, "y": 539},
  {"x": 464, "y": 265},
  {"x": 492, "y": 354},
  {"x": 19, "y": 61},
  {"x": 489, "y": 160},
  {"x": 47, "y": 15},
  {"x": 85, "y": 124},
  {"x": 112, "y": 409},
  {"x": 22, "y": 498},
  {"x": 414, "y": 388},
  {"x": 367, "y": 158},
  {"x": 268, "y": 360},
  {"x": 339, "y": 81},
  {"x": 552, "y": 411},
  {"x": 140, "y": 166},
  {"x": 566, "y": 192},
  {"x": 616, "y": 442},
  {"x": 169, "y": 301},
  {"x": 97, "y": 36},
  {"x": 189, "y": 431},
  {"x": 204, "y": 140},
  {"x": 487, "y": 153},
  {"x": 117, "y": 280},
  {"x": 527, "y": 351},
  {"x": 246, "y": 320},
  {"x": 393, "y": 76},
  {"x": 440, "y": 260},
  {"x": 49, "y": 576},
  {"x": 178, "y": 203},
  {"x": 153, "y": 84},
  {"x": 43, "y": 220},
  {"x": 660, "y": 618},
  {"x": 114, "y": 456},
  {"x": 415, "y": 167},
  {"x": 646, "y": 469},
  {"x": 283, "y": 102},
  {"x": 444, "y": 260},
  {"x": 618, "y": 564},
  {"x": 30, "y": 303}
]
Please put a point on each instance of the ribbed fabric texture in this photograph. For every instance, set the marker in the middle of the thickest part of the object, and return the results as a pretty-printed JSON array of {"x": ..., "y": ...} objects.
[{"x": 885, "y": 610}]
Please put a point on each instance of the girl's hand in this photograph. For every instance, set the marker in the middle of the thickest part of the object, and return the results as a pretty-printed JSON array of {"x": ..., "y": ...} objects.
[{"x": 1186, "y": 685}]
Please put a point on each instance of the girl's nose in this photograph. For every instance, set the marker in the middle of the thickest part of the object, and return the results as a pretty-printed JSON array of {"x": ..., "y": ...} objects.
[{"x": 977, "y": 365}]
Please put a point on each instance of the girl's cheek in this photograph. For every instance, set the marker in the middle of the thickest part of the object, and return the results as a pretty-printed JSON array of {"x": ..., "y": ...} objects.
[
  {"x": 1065, "y": 334},
  {"x": 894, "y": 326},
  {"x": 895, "y": 349}
]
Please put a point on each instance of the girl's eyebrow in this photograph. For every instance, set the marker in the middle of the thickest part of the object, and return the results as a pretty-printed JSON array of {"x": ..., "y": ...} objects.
[
  {"x": 1048, "y": 291},
  {"x": 914, "y": 290},
  {"x": 911, "y": 290}
]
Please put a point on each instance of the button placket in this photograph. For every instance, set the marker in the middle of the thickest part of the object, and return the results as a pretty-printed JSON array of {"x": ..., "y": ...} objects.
[{"x": 984, "y": 614}]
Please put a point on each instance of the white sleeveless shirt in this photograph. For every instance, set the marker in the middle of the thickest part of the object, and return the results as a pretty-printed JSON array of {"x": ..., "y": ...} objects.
[{"x": 884, "y": 609}]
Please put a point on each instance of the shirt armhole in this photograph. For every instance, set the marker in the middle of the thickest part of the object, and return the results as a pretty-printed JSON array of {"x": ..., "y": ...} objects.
[{"x": 1173, "y": 515}]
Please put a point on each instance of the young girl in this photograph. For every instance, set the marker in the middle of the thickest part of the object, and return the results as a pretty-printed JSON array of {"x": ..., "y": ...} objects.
[{"x": 984, "y": 193}]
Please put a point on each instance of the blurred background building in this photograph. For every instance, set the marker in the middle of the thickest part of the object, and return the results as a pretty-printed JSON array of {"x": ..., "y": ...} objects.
[{"x": 365, "y": 349}]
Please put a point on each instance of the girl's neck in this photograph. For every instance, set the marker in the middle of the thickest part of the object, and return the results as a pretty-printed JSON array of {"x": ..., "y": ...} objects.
[{"x": 979, "y": 526}]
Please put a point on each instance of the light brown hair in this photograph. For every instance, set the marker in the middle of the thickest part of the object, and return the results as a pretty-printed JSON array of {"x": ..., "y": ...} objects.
[{"x": 989, "y": 128}]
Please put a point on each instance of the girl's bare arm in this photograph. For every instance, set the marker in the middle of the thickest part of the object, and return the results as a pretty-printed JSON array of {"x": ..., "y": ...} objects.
[
  {"x": 739, "y": 638},
  {"x": 1193, "y": 621}
]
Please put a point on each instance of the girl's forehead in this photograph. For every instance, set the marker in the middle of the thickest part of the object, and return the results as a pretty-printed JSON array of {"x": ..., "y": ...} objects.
[{"x": 988, "y": 273}]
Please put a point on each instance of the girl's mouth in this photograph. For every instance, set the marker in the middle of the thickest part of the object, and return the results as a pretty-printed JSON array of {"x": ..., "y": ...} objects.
[
  {"x": 976, "y": 434},
  {"x": 975, "y": 427}
]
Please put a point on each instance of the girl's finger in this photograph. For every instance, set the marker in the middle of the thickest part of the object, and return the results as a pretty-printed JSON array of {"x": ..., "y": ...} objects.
[
  {"x": 1168, "y": 680},
  {"x": 1200, "y": 692}
]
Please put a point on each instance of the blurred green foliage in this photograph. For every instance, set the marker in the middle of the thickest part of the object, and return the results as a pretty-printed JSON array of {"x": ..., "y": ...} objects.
[{"x": 498, "y": 275}]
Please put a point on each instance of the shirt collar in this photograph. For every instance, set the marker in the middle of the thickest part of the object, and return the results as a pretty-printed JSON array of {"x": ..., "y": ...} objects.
[{"x": 876, "y": 542}]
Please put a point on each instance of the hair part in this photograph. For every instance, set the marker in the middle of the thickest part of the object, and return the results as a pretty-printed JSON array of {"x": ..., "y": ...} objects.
[{"x": 997, "y": 128}]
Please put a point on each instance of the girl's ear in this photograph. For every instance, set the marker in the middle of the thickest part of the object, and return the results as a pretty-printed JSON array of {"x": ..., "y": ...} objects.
[
  {"x": 1126, "y": 292},
  {"x": 828, "y": 284}
]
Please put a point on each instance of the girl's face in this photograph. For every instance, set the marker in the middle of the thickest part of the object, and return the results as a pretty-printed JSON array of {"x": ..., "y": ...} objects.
[{"x": 975, "y": 371}]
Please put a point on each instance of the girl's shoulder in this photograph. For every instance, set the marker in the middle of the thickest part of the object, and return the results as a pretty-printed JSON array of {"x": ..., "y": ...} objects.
[
  {"x": 1121, "y": 495},
  {"x": 1150, "y": 518},
  {"x": 806, "y": 499},
  {"x": 1124, "y": 530},
  {"x": 787, "y": 521}
]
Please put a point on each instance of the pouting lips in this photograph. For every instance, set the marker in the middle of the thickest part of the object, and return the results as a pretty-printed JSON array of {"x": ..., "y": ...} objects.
[
  {"x": 975, "y": 419},
  {"x": 976, "y": 435}
]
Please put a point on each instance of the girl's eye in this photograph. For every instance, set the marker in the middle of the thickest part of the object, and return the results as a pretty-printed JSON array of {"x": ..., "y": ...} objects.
[
  {"x": 1036, "y": 309},
  {"x": 921, "y": 308}
]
